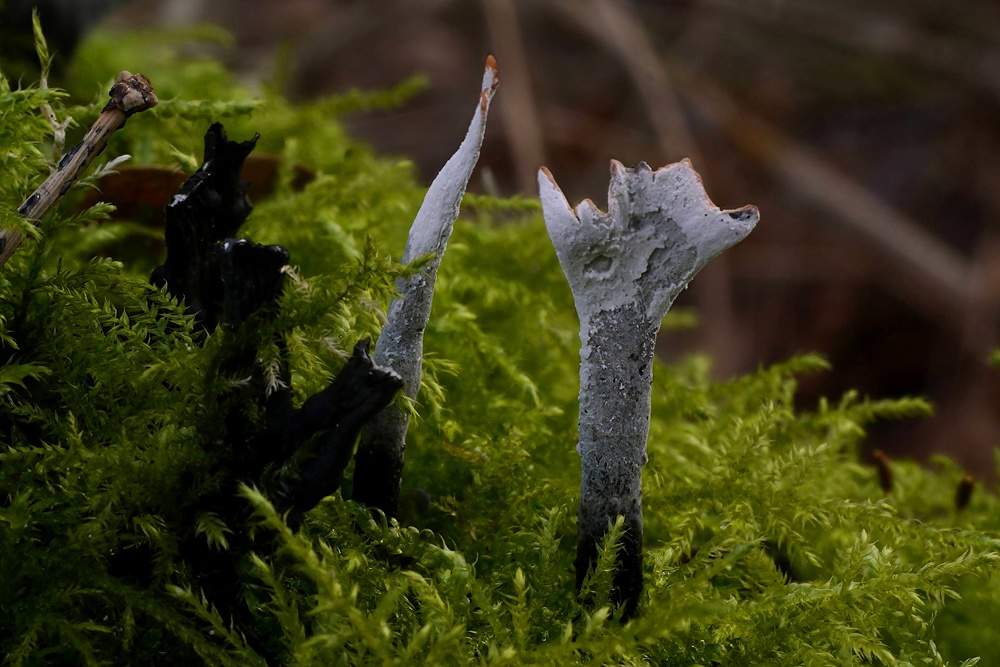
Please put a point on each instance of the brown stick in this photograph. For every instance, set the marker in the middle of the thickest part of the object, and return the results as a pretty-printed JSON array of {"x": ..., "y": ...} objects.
[{"x": 130, "y": 94}]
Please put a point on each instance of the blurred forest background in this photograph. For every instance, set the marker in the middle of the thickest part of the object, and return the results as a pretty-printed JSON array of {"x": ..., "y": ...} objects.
[{"x": 866, "y": 131}]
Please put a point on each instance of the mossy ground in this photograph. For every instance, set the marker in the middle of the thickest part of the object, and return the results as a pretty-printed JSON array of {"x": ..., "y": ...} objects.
[{"x": 767, "y": 542}]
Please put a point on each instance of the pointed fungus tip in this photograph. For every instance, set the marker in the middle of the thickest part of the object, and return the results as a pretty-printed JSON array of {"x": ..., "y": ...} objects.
[
  {"x": 491, "y": 65},
  {"x": 551, "y": 194},
  {"x": 544, "y": 172},
  {"x": 491, "y": 79}
]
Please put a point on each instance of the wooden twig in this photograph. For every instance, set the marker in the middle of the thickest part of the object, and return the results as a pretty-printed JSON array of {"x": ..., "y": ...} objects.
[
  {"x": 351, "y": 22},
  {"x": 131, "y": 94}
]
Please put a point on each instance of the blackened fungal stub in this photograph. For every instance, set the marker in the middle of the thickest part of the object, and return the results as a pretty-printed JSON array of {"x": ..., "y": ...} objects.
[
  {"x": 223, "y": 278},
  {"x": 29, "y": 203},
  {"x": 963, "y": 494},
  {"x": 296, "y": 456},
  {"x": 252, "y": 277},
  {"x": 69, "y": 156},
  {"x": 209, "y": 208},
  {"x": 360, "y": 391},
  {"x": 297, "y": 459}
]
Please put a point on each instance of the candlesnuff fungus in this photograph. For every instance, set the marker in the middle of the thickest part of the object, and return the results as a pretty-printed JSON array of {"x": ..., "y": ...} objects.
[
  {"x": 296, "y": 455},
  {"x": 209, "y": 208},
  {"x": 379, "y": 466},
  {"x": 625, "y": 268}
]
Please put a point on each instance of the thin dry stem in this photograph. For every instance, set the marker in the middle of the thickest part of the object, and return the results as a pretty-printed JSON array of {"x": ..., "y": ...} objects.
[
  {"x": 58, "y": 129},
  {"x": 130, "y": 94}
]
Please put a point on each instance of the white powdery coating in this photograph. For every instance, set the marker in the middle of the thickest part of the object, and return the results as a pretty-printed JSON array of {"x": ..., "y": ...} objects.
[
  {"x": 660, "y": 230},
  {"x": 625, "y": 268},
  {"x": 439, "y": 210},
  {"x": 400, "y": 345}
]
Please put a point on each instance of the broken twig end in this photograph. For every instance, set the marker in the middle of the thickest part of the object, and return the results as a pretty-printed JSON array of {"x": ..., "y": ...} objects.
[{"x": 132, "y": 93}]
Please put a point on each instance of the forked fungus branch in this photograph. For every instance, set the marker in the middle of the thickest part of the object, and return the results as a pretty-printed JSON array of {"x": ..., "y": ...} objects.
[{"x": 625, "y": 268}]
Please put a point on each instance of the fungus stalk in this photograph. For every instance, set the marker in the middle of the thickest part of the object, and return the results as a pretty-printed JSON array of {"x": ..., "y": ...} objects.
[
  {"x": 625, "y": 268},
  {"x": 379, "y": 467}
]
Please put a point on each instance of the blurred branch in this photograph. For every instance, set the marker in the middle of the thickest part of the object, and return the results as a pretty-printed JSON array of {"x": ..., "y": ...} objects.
[
  {"x": 615, "y": 24},
  {"x": 881, "y": 34},
  {"x": 520, "y": 113},
  {"x": 570, "y": 127},
  {"x": 357, "y": 20},
  {"x": 947, "y": 285},
  {"x": 180, "y": 12}
]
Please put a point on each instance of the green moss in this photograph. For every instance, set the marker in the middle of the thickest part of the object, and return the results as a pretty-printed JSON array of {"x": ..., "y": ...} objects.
[{"x": 767, "y": 543}]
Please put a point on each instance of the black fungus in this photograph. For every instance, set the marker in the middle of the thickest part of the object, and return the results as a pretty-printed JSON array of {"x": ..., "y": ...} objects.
[{"x": 296, "y": 456}]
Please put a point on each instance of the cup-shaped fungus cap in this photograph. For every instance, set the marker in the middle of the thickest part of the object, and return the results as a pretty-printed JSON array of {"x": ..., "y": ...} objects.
[{"x": 660, "y": 230}]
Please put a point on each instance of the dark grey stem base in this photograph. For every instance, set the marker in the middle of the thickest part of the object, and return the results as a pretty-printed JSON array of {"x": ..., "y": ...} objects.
[
  {"x": 616, "y": 375},
  {"x": 378, "y": 470}
]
